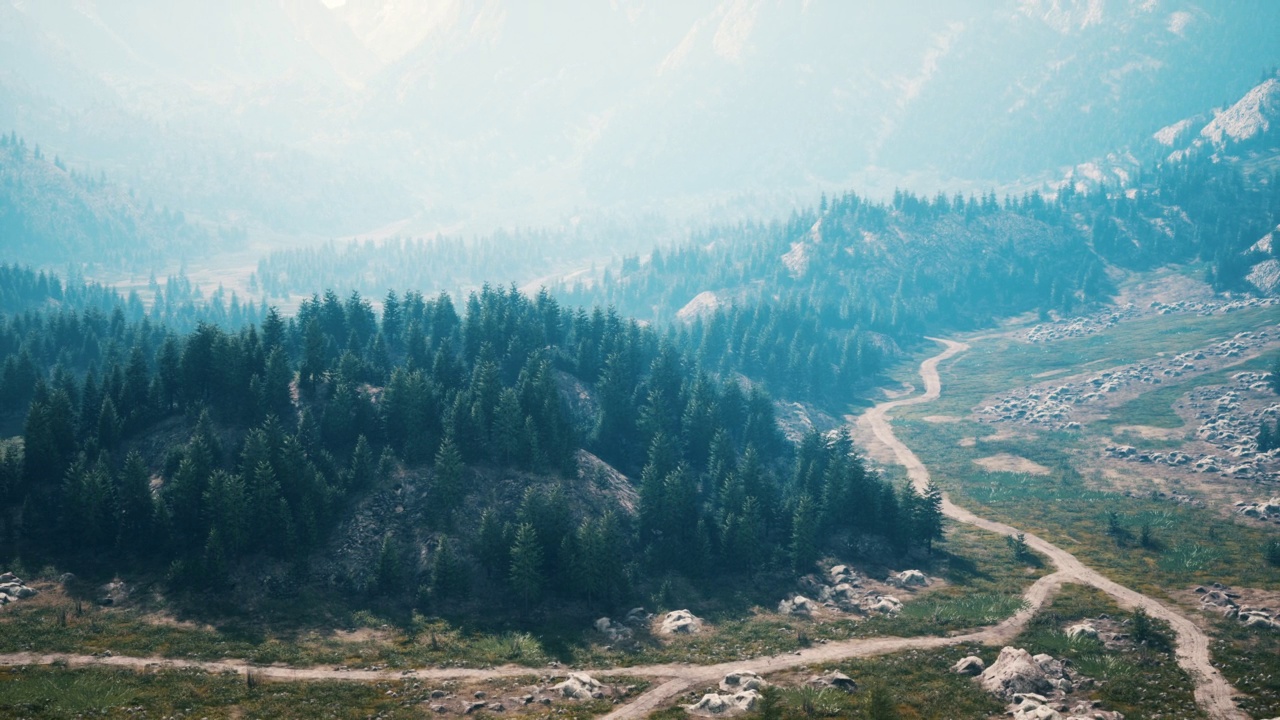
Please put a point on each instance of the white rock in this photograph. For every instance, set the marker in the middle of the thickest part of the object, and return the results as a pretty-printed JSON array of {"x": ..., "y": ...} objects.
[
  {"x": 680, "y": 622},
  {"x": 742, "y": 680}
]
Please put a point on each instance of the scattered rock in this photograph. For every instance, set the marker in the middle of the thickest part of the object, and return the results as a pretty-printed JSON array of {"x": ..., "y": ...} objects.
[
  {"x": 971, "y": 665},
  {"x": 884, "y": 604},
  {"x": 13, "y": 589},
  {"x": 798, "y": 605},
  {"x": 721, "y": 704},
  {"x": 680, "y": 622},
  {"x": 612, "y": 630}
]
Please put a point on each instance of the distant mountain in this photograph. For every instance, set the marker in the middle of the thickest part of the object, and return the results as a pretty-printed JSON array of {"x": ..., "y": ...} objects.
[
  {"x": 50, "y": 215},
  {"x": 342, "y": 117}
]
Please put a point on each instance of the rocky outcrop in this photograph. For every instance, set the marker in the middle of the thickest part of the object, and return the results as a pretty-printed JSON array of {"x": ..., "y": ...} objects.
[
  {"x": 798, "y": 605},
  {"x": 614, "y": 631},
  {"x": 722, "y": 704},
  {"x": 883, "y": 604},
  {"x": 833, "y": 679},
  {"x": 908, "y": 579},
  {"x": 12, "y": 589},
  {"x": 680, "y": 622},
  {"x": 742, "y": 680},
  {"x": 1017, "y": 671},
  {"x": 581, "y": 686},
  {"x": 1220, "y": 600}
]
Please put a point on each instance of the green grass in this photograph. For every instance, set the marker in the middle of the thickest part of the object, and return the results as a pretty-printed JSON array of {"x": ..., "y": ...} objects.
[
  {"x": 1250, "y": 660},
  {"x": 983, "y": 587},
  {"x": 993, "y": 365},
  {"x": 912, "y": 685},
  {"x": 1194, "y": 545},
  {"x": 59, "y": 692},
  {"x": 1141, "y": 682},
  {"x": 1155, "y": 408}
]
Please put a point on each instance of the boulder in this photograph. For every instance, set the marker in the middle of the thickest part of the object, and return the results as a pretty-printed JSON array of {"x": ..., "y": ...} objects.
[
  {"x": 1080, "y": 630},
  {"x": 637, "y": 616},
  {"x": 843, "y": 574},
  {"x": 834, "y": 679},
  {"x": 9, "y": 578},
  {"x": 1016, "y": 671},
  {"x": 614, "y": 631},
  {"x": 798, "y": 605},
  {"x": 971, "y": 665},
  {"x": 721, "y": 704},
  {"x": 908, "y": 579},
  {"x": 680, "y": 622},
  {"x": 886, "y": 604},
  {"x": 742, "y": 680},
  {"x": 580, "y": 686}
]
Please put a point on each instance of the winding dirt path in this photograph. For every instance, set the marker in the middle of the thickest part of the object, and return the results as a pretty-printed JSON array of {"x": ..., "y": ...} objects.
[{"x": 1212, "y": 691}]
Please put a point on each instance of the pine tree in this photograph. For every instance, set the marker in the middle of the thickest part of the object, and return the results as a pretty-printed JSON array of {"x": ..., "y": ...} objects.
[
  {"x": 135, "y": 506},
  {"x": 447, "y": 487},
  {"x": 526, "y": 565},
  {"x": 804, "y": 535},
  {"x": 389, "y": 575},
  {"x": 448, "y": 574},
  {"x": 493, "y": 543},
  {"x": 928, "y": 520}
]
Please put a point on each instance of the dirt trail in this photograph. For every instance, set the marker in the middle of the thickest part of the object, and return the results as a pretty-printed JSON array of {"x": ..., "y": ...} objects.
[{"x": 1212, "y": 691}]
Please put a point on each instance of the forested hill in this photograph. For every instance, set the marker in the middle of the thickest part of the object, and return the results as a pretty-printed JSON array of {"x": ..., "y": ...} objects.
[
  {"x": 418, "y": 454},
  {"x": 176, "y": 304},
  {"x": 52, "y": 215},
  {"x": 807, "y": 305}
]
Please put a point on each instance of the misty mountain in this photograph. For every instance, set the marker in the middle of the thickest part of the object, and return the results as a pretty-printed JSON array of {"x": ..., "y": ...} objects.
[
  {"x": 50, "y": 214},
  {"x": 336, "y": 120}
]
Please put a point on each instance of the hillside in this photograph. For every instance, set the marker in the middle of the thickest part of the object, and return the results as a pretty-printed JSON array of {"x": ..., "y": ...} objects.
[{"x": 50, "y": 215}]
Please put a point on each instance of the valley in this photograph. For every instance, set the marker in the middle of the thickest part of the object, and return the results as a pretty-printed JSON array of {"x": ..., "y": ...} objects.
[{"x": 665, "y": 682}]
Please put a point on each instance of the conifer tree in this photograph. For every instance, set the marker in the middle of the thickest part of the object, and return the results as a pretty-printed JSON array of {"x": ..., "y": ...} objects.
[
  {"x": 526, "y": 565},
  {"x": 804, "y": 535}
]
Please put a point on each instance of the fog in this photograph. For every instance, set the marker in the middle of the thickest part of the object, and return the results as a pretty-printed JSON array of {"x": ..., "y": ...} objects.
[{"x": 302, "y": 118}]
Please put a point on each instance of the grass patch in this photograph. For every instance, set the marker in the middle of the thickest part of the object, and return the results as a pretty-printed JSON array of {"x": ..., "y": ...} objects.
[
  {"x": 1143, "y": 681},
  {"x": 983, "y": 587},
  {"x": 1250, "y": 660},
  {"x": 913, "y": 684},
  {"x": 59, "y": 692},
  {"x": 1189, "y": 545}
]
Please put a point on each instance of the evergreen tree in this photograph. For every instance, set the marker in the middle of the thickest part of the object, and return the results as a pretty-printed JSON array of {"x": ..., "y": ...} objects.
[
  {"x": 804, "y": 535},
  {"x": 447, "y": 487},
  {"x": 448, "y": 574},
  {"x": 526, "y": 565},
  {"x": 135, "y": 506},
  {"x": 928, "y": 521},
  {"x": 388, "y": 577}
]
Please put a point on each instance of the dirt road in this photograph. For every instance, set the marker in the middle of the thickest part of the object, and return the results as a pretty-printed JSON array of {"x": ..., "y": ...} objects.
[{"x": 1212, "y": 691}]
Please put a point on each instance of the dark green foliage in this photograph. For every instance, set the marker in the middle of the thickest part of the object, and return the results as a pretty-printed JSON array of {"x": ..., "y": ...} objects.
[
  {"x": 527, "y": 577},
  {"x": 1018, "y": 545}
]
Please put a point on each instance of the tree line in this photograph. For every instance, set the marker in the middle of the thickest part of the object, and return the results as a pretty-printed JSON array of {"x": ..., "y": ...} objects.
[{"x": 196, "y": 453}]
